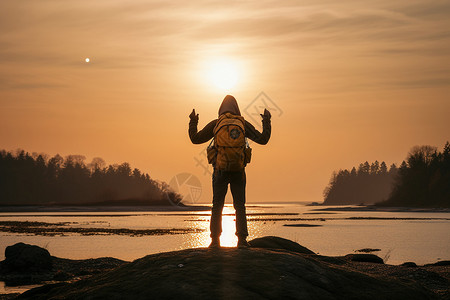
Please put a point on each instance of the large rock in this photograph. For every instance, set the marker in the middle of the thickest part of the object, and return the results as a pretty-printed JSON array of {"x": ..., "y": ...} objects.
[
  {"x": 275, "y": 242},
  {"x": 440, "y": 263},
  {"x": 26, "y": 258},
  {"x": 28, "y": 264},
  {"x": 231, "y": 273},
  {"x": 365, "y": 257}
]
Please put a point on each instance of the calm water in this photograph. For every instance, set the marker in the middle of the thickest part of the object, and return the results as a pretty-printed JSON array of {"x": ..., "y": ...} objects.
[{"x": 422, "y": 241}]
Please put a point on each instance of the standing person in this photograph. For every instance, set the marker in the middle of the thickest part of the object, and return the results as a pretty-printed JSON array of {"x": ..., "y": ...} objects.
[{"x": 229, "y": 131}]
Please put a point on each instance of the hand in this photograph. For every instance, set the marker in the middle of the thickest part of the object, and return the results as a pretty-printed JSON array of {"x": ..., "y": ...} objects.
[
  {"x": 193, "y": 116},
  {"x": 266, "y": 115}
]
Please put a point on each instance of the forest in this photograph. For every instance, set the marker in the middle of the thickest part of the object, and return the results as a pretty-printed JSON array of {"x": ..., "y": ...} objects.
[
  {"x": 422, "y": 180},
  {"x": 37, "y": 179},
  {"x": 369, "y": 184}
]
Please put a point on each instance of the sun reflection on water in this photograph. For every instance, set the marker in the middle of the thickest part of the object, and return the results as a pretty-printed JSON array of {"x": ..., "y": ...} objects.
[{"x": 228, "y": 237}]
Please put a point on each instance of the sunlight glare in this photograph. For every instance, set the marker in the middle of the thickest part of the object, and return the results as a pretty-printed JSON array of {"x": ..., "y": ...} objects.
[
  {"x": 228, "y": 237},
  {"x": 223, "y": 74}
]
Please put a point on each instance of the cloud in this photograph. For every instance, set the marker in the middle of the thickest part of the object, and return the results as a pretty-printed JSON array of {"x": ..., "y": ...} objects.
[
  {"x": 158, "y": 34},
  {"x": 434, "y": 10},
  {"x": 26, "y": 82},
  {"x": 422, "y": 83}
]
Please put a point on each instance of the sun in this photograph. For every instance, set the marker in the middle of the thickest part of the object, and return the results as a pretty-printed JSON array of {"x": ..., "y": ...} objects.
[{"x": 223, "y": 74}]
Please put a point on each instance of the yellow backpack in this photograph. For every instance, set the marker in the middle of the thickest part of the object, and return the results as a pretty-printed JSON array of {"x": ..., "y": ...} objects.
[{"x": 229, "y": 152}]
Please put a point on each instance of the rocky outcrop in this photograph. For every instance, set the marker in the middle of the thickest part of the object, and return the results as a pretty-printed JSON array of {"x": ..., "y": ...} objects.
[
  {"x": 28, "y": 264},
  {"x": 365, "y": 257},
  {"x": 26, "y": 258},
  {"x": 441, "y": 263},
  {"x": 231, "y": 273},
  {"x": 409, "y": 264},
  {"x": 276, "y": 269},
  {"x": 275, "y": 242}
]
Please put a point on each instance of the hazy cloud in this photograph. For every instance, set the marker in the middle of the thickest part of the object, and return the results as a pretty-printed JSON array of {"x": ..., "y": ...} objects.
[{"x": 136, "y": 34}]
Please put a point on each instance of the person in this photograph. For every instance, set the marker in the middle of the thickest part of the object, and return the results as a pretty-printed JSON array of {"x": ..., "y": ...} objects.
[{"x": 222, "y": 176}]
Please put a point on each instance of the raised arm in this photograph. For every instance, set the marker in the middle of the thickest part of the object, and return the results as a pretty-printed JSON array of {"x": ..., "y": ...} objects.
[
  {"x": 202, "y": 136},
  {"x": 259, "y": 137}
]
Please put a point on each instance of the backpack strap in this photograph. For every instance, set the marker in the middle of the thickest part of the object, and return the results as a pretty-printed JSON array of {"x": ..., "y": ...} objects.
[{"x": 212, "y": 140}]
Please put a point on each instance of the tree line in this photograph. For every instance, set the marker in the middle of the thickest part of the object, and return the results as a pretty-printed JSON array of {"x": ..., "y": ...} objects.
[
  {"x": 368, "y": 184},
  {"x": 37, "y": 179},
  {"x": 422, "y": 180}
]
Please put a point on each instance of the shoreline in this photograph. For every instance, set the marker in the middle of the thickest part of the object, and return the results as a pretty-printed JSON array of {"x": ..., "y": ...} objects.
[
  {"x": 207, "y": 207},
  {"x": 168, "y": 208},
  {"x": 373, "y": 208}
]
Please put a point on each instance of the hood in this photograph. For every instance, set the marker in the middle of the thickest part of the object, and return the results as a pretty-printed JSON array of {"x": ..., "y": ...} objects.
[{"x": 229, "y": 104}]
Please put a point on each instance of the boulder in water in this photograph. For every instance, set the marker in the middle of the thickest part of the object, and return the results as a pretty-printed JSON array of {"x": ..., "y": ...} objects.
[
  {"x": 275, "y": 242},
  {"x": 370, "y": 258},
  {"x": 26, "y": 258}
]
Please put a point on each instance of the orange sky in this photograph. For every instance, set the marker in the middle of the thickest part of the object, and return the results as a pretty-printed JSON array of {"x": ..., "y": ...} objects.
[{"x": 355, "y": 81}]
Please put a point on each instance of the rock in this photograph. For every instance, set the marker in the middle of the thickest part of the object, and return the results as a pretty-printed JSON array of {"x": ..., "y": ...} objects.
[
  {"x": 331, "y": 260},
  {"x": 274, "y": 242},
  {"x": 231, "y": 273},
  {"x": 409, "y": 264},
  {"x": 26, "y": 258},
  {"x": 28, "y": 264},
  {"x": 371, "y": 258},
  {"x": 368, "y": 250},
  {"x": 9, "y": 296},
  {"x": 62, "y": 276},
  {"x": 302, "y": 225},
  {"x": 440, "y": 263}
]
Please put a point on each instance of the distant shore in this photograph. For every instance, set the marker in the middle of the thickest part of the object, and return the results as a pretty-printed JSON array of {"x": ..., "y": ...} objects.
[
  {"x": 150, "y": 208},
  {"x": 384, "y": 209},
  {"x": 203, "y": 207}
]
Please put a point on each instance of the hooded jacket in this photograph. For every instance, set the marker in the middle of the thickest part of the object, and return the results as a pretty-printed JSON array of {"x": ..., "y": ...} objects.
[{"x": 229, "y": 104}]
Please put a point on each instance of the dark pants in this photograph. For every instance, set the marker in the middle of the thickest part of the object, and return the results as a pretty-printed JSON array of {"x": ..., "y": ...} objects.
[{"x": 237, "y": 181}]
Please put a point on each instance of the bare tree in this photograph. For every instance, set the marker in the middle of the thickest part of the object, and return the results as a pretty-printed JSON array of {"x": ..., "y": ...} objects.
[{"x": 421, "y": 154}]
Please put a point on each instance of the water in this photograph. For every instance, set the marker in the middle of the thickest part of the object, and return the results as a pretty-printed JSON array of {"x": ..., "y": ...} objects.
[
  {"x": 425, "y": 240},
  {"x": 4, "y": 289}
]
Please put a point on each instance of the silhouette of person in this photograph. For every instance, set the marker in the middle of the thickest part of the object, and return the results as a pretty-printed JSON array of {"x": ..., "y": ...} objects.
[{"x": 236, "y": 178}]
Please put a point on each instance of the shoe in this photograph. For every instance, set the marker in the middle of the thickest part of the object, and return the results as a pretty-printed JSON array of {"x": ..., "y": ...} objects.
[
  {"x": 242, "y": 243},
  {"x": 215, "y": 243}
]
